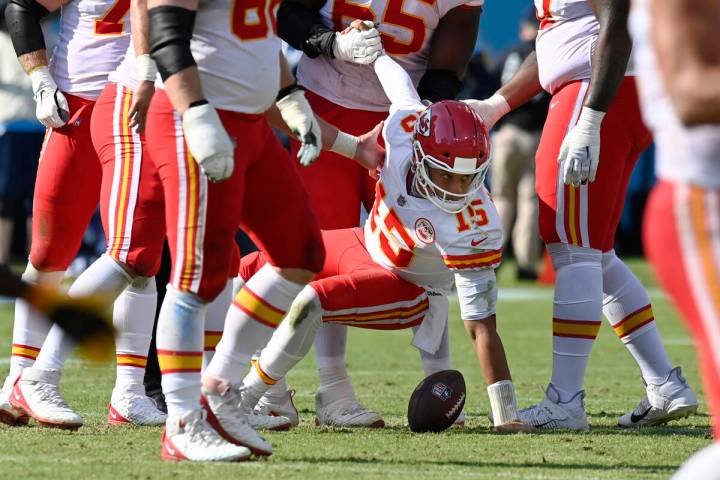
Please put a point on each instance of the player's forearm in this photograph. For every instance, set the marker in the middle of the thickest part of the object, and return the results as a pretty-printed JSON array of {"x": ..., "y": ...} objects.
[
  {"x": 140, "y": 26},
  {"x": 451, "y": 48},
  {"x": 524, "y": 85},
  {"x": 684, "y": 34},
  {"x": 489, "y": 349},
  {"x": 23, "y": 19},
  {"x": 171, "y": 27},
  {"x": 301, "y": 26},
  {"x": 612, "y": 53},
  {"x": 395, "y": 81}
]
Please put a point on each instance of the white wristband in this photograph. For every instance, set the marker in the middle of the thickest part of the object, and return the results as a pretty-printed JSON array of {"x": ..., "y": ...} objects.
[
  {"x": 147, "y": 70},
  {"x": 345, "y": 144},
  {"x": 499, "y": 104},
  {"x": 502, "y": 402},
  {"x": 590, "y": 119}
]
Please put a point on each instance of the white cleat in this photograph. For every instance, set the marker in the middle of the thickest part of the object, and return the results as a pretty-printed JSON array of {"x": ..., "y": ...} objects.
[
  {"x": 37, "y": 394},
  {"x": 460, "y": 420},
  {"x": 192, "y": 438},
  {"x": 134, "y": 408},
  {"x": 10, "y": 415},
  {"x": 551, "y": 414},
  {"x": 671, "y": 400},
  {"x": 231, "y": 421},
  {"x": 279, "y": 407},
  {"x": 704, "y": 464},
  {"x": 336, "y": 408}
]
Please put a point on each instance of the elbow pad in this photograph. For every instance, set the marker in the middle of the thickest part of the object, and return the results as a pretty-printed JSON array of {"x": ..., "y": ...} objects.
[
  {"x": 436, "y": 85},
  {"x": 171, "y": 30},
  {"x": 303, "y": 29},
  {"x": 23, "y": 23}
]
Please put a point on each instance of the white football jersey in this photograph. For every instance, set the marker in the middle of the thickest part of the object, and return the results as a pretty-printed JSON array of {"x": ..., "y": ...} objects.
[
  {"x": 686, "y": 154},
  {"x": 126, "y": 73},
  {"x": 237, "y": 50},
  {"x": 94, "y": 36},
  {"x": 566, "y": 42},
  {"x": 411, "y": 236},
  {"x": 406, "y": 27}
]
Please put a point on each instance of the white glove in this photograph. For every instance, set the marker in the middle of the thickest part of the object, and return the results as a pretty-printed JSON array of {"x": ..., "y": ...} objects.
[
  {"x": 298, "y": 115},
  {"x": 358, "y": 47},
  {"x": 51, "y": 105},
  {"x": 489, "y": 110},
  {"x": 580, "y": 150},
  {"x": 208, "y": 142}
]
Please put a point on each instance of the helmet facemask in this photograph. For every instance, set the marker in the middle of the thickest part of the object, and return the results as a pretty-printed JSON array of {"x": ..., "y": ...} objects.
[{"x": 447, "y": 201}]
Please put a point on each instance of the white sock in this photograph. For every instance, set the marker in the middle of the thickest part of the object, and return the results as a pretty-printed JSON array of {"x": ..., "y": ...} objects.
[
  {"x": 30, "y": 327},
  {"x": 440, "y": 360},
  {"x": 133, "y": 318},
  {"x": 627, "y": 306},
  {"x": 255, "y": 313},
  {"x": 288, "y": 345},
  {"x": 180, "y": 346},
  {"x": 577, "y": 307},
  {"x": 330, "y": 347},
  {"x": 215, "y": 322},
  {"x": 104, "y": 276}
]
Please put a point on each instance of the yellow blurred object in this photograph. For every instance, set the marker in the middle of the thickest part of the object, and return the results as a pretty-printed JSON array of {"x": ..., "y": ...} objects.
[{"x": 85, "y": 319}]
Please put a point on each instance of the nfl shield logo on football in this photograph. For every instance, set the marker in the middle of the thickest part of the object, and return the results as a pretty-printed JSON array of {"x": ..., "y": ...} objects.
[
  {"x": 422, "y": 126},
  {"x": 425, "y": 230},
  {"x": 441, "y": 391}
]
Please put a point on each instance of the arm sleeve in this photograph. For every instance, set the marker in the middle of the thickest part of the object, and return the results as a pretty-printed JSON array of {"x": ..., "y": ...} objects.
[
  {"x": 303, "y": 28},
  {"x": 397, "y": 85},
  {"x": 477, "y": 293}
]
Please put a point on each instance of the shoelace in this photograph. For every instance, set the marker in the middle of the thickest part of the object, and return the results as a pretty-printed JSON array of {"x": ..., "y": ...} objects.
[{"x": 50, "y": 393}]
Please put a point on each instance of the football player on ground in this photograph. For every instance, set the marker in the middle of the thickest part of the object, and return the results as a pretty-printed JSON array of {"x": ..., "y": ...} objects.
[
  {"x": 221, "y": 166},
  {"x": 94, "y": 37},
  {"x": 432, "y": 226},
  {"x": 433, "y": 42},
  {"x": 678, "y": 63},
  {"x": 582, "y": 175}
]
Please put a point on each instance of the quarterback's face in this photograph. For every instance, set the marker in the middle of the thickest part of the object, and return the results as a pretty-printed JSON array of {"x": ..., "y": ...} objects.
[{"x": 451, "y": 182}]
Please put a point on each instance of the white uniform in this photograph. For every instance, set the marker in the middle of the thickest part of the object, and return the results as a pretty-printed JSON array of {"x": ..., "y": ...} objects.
[
  {"x": 126, "y": 73},
  {"x": 407, "y": 27},
  {"x": 238, "y": 58},
  {"x": 421, "y": 243},
  {"x": 683, "y": 154},
  {"x": 566, "y": 42},
  {"x": 94, "y": 36}
]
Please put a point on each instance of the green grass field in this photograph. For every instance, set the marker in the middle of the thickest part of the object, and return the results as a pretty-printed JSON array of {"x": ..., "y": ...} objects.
[{"x": 385, "y": 369}]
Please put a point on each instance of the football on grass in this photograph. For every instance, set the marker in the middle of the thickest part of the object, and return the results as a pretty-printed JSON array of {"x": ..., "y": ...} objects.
[{"x": 436, "y": 402}]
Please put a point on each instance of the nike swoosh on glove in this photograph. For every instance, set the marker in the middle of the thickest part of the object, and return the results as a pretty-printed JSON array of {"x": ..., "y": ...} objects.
[
  {"x": 51, "y": 106},
  {"x": 299, "y": 117},
  {"x": 580, "y": 151},
  {"x": 363, "y": 47},
  {"x": 208, "y": 142}
]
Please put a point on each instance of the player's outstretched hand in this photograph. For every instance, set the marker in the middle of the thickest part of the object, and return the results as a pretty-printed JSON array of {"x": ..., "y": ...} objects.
[
  {"x": 489, "y": 110},
  {"x": 358, "y": 43},
  {"x": 580, "y": 150},
  {"x": 208, "y": 142},
  {"x": 299, "y": 117},
  {"x": 369, "y": 153},
  {"x": 51, "y": 106},
  {"x": 515, "y": 427},
  {"x": 85, "y": 319}
]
